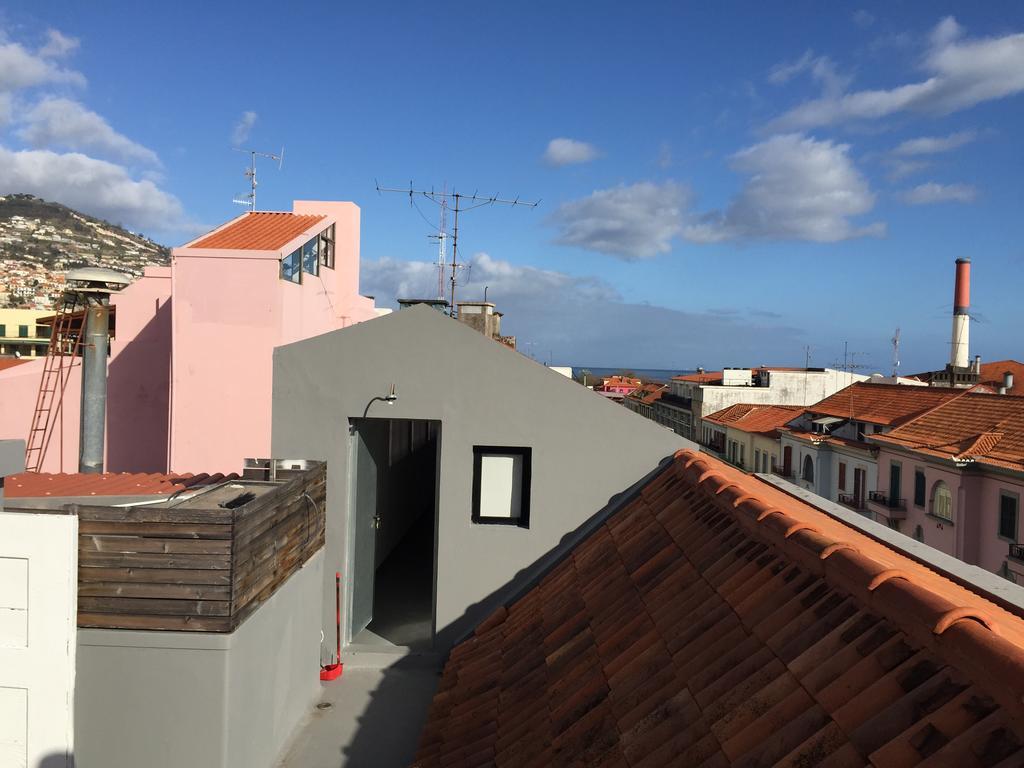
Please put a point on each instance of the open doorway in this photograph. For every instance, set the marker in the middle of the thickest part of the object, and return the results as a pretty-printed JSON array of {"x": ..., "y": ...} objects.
[{"x": 394, "y": 513}]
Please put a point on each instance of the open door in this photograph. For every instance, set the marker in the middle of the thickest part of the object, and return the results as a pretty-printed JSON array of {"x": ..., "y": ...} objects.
[
  {"x": 393, "y": 523},
  {"x": 368, "y": 449}
]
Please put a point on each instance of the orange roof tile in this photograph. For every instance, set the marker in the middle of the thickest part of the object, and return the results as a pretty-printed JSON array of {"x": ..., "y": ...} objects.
[
  {"x": 886, "y": 404},
  {"x": 717, "y": 621},
  {"x": 648, "y": 393},
  {"x": 758, "y": 419},
  {"x": 259, "y": 231},
  {"x": 700, "y": 378},
  {"x": 992, "y": 374},
  {"x": 56, "y": 485},
  {"x": 10, "y": 362},
  {"x": 978, "y": 427}
]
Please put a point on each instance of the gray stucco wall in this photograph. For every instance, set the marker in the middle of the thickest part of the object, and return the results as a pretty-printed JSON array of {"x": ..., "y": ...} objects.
[
  {"x": 12, "y": 457},
  {"x": 585, "y": 449},
  {"x": 172, "y": 699}
]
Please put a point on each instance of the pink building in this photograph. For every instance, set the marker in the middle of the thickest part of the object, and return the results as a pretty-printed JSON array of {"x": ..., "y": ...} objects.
[
  {"x": 953, "y": 478},
  {"x": 620, "y": 385},
  {"x": 189, "y": 378}
]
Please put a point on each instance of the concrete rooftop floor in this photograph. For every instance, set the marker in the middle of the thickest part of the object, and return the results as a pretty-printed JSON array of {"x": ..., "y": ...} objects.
[{"x": 375, "y": 718}]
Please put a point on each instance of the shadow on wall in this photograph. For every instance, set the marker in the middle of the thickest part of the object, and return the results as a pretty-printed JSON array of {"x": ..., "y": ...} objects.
[
  {"x": 138, "y": 395},
  {"x": 376, "y": 742},
  {"x": 55, "y": 760}
]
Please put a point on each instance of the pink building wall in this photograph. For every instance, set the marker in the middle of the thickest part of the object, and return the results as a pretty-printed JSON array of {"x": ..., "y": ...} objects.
[
  {"x": 191, "y": 366},
  {"x": 973, "y": 535},
  {"x": 231, "y": 308}
]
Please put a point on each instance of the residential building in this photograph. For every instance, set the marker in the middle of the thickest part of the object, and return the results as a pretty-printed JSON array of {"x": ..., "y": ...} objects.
[
  {"x": 22, "y": 334},
  {"x": 620, "y": 385},
  {"x": 746, "y": 435},
  {"x": 642, "y": 399},
  {"x": 825, "y": 449},
  {"x": 953, "y": 478},
  {"x": 713, "y": 620},
  {"x": 195, "y": 341},
  {"x": 694, "y": 396},
  {"x": 432, "y": 478}
]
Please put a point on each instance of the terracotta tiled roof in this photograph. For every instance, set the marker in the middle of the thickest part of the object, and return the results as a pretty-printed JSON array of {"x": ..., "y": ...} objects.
[
  {"x": 992, "y": 374},
  {"x": 10, "y": 362},
  {"x": 39, "y": 484},
  {"x": 717, "y": 621},
  {"x": 259, "y": 231},
  {"x": 886, "y": 404},
  {"x": 648, "y": 393},
  {"x": 977, "y": 427},
  {"x": 708, "y": 377},
  {"x": 818, "y": 438},
  {"x": 758, "y": 419}
]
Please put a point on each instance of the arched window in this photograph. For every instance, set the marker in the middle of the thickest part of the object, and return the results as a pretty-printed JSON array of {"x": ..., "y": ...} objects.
[
  {"x": 919, "y": 533},
  {"x": 942, "y": 501},
  {"x": 808, "y": 469}
]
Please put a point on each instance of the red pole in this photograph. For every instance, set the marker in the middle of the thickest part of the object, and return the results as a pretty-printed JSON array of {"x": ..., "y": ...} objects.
[{"x": 337, "y": 613}]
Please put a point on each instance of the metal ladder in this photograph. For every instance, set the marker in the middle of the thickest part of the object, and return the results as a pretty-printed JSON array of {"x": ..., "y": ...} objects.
[{"x": 61, "y": 354}]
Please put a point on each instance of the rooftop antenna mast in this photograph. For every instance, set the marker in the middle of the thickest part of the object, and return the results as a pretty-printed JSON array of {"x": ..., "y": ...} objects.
[
  {"x": 896, "y": 354},
  {"x": 250, "y": 173},
  {"x": 457, "y": 203},
  {"x": 442, "y": 243}
]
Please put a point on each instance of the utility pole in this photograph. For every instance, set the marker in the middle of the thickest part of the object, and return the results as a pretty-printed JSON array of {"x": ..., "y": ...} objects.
[
  {"x": 896, "y": 355},
  {"x": 457, "y": 203}
]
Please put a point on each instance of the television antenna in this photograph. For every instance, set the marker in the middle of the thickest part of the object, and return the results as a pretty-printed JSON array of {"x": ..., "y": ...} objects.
[
  {"x": 250, "y": 173},
  {"x": 896, "y": 354},
  {"x": 457, "y": 203}
]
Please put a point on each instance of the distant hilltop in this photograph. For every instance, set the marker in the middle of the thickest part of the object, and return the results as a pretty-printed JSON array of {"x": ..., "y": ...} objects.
[{"x": 41, "y": 240}]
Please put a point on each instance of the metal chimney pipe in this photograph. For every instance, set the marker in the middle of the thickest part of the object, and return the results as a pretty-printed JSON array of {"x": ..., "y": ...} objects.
[
  {"x": 1008, "y": 380},
  {"x": 960, "y": 347},
  {"x": 94, "y": 386}
]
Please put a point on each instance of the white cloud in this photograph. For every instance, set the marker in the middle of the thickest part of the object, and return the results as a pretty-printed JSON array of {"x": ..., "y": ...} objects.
[
  {"x": 67, "y": 124},
  {"x": 58, "y": 44},
  {"x": 632, "y": 222},
  {"x": 243, "y": 127},
  {"x": 961, "y": 73},
  {"x": 900, "y": 168},
  {"x": 799, "y": 188},
  {"x": 89, "y": 185},
  {"x": 569, "y": 152},
  {"x": 21, "y": 68},
  {"x": 933, "y": 192},
  {"x": 863, "y": 19},
  {"x": 931, "y": 145},
  {"x": 572, "y": 319},
  {"x": 821, "y": 68}
]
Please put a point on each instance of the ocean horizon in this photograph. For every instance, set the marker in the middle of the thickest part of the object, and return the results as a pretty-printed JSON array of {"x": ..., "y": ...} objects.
[{"x": 647, "y": 374}]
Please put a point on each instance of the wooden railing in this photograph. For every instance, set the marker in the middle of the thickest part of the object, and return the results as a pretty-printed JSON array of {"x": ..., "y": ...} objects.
[{"x": 203, "y": 565}]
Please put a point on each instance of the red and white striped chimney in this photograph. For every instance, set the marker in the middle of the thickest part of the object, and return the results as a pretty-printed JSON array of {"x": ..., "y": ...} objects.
[{"x": 959, "y": 352}]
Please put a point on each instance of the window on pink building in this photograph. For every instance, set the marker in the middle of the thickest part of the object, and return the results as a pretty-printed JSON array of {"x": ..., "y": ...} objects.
[{"x": 942, "y": 501}]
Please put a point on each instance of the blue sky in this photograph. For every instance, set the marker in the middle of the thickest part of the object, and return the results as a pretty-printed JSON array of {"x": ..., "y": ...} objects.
[{"x": 720, "y": 183}]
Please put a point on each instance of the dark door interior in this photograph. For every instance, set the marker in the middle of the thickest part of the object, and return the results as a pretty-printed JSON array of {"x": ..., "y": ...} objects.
[{"x": 394, "y": 520}]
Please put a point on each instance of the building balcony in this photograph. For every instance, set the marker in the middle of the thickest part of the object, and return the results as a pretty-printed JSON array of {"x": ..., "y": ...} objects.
[
  {"x": 892, "y": 507},
  {"x": 783, "y": 472},
  {"x": 1017, "y": 552},
  {"x": 848, "y": 500}
]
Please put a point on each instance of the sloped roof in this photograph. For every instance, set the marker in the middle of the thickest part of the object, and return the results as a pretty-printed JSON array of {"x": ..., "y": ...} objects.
[
  {"x": 11, "y": 362},
  {"x": 717, "y": 621},
  {"x": 886, "y": 404},
  {"x": 992, "y": 374},
  {"x": 648, "y": 393},
  {"x": 758, "y": 419},
  {"x": 708, "y": 377},
  {"x": 258, "y": 231},
  {"x": 40, "y": 484},
  {"x": 979, "y": 427}
]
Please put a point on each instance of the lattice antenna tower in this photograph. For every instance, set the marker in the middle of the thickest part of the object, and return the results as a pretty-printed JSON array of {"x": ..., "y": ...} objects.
[
  {"x": 896, "y": 354},
  {"x": 457, "y": 203},
  {"x": 442, "y": 243},
  {"x": 249, "y": 199}
]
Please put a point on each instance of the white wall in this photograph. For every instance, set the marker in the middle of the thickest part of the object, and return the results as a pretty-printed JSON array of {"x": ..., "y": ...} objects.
[{"x": 38, "y": 608}]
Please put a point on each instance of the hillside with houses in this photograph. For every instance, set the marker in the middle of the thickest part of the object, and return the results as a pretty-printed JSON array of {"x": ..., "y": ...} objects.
[{"x": 40, "y": 240}]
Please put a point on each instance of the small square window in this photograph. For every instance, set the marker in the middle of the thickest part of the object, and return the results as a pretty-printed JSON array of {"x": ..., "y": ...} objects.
[{"x": 501, "y": 485}]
